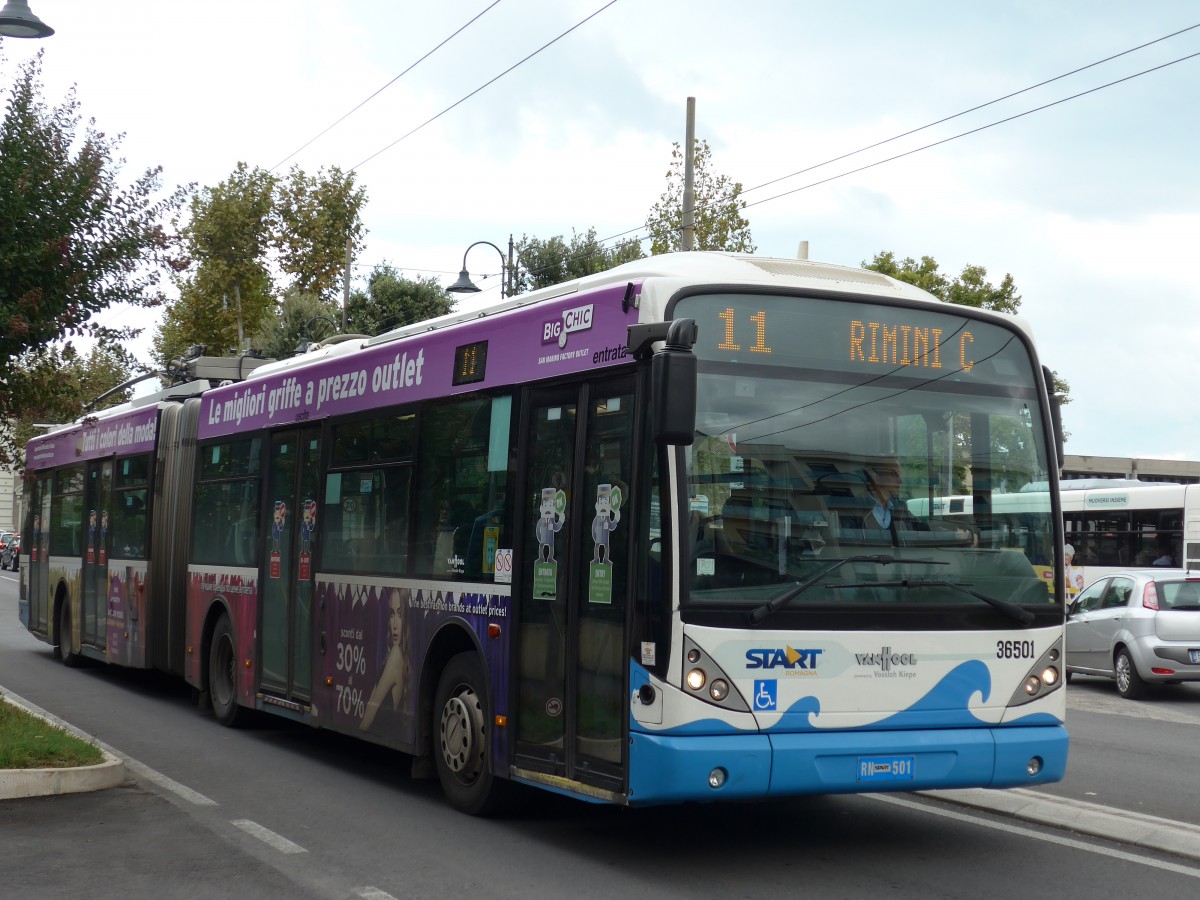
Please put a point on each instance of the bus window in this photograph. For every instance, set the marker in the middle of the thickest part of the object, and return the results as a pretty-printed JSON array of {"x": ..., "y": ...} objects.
[
  {"x": 129, "y": 507},
  {"x": 225, "y": 529},
  {"x": 463, "y": 487},
  {"x": 66, "y": 512},
  {"x": 365, "y": 521}
]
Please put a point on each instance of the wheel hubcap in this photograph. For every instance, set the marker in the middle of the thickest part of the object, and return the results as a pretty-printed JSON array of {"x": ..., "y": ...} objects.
[
  {"x": 223, "y": 688},
  {"x": 462, "y": 735},
  {"x": 1123, "y": 673}
]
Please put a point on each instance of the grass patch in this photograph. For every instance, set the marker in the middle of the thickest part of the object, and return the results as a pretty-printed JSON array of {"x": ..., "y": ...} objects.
[{"x": 27, "y": 742}]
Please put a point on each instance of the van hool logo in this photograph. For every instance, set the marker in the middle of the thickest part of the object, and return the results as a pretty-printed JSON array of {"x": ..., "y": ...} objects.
[
  {"x": 577, "y": 319},
  {"x": 885, "y": 660}
]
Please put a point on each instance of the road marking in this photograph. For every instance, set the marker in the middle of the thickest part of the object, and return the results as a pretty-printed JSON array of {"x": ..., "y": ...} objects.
[
  {"x": 186, "y": 793},
  {"x": 1037, "y": 835},
  {"x": 267, "y": 836},
  {"x": 373, "y": 893}
]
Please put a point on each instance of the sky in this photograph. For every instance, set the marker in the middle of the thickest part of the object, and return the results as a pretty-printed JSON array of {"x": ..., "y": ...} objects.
[{"x": 1092, "y": 204}]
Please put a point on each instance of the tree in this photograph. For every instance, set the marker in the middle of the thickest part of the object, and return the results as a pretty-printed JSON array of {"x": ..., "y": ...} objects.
[
  {"x": 969, "y": 289},
  {"x": 317, "y": 216},
  {"x": 552, "y": 261},
  {"x": 73, "y": 239},
  {"x": 718, "y": 208},
  {"x": 242, "y": 230},
  {"x": 299, "y": 317},
  {"x": 391, "y": 301},
  {"x": 58, "y": 385},
  {"x": 226, "y": 289}
]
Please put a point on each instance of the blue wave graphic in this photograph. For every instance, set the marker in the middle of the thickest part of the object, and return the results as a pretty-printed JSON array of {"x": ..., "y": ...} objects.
[{"x": 946, "y": 705}]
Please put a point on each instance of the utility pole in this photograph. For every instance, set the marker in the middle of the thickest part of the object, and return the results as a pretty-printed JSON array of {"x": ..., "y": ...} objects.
[
  {"x": 237, "y": 297},
  {"x": 346, "y": 287},
  {"x": 687, "y": 237},
  {"x": 511, "y": 276}
]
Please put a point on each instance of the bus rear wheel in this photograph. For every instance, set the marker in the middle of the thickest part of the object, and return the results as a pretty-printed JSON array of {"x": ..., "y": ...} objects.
[
  {"x": 69, "y": 657},
  {"x": 222, "y": 674},
  {"x": 460, "y": 717}
]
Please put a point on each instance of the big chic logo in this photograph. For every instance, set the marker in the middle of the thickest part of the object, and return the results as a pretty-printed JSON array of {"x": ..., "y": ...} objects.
[{"x": 577, "y": 319}]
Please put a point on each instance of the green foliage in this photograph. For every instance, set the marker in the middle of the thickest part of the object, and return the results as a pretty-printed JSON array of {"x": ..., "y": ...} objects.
[
  {"x": 226, "y": 287},
  {"x": 392, "y": 301},
  {"x": 57, "y": 384},
  {"x": 552, "y": 261},
  {"x": 300, "y": 317},
  {"x": 317, "y": 215},
  {"x": 971, "y": 288},
  {"x": 73, "y": 239},
  {"x": 240, "y": 231},
  {"x": 718, "y": 210}
]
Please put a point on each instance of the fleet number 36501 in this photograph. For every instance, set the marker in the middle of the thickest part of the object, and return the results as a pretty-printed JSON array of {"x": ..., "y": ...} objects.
[{"x": 1014, "y": 649}]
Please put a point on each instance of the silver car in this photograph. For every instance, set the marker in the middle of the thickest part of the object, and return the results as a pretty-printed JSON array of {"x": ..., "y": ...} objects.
[{"x": 1137, "y": 627}]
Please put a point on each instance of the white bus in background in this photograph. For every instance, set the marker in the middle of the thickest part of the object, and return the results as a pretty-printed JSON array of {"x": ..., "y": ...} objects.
[{"x": 1111, "y": 524}]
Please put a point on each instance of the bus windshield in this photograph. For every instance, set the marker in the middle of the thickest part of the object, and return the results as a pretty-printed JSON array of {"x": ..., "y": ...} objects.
[{"x": 834, "y": 430}]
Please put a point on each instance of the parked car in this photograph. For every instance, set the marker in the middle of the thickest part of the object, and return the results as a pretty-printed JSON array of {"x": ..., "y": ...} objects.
[
  {"x": 1139, "y": 628},
  {"x": 10, "y": 553}
]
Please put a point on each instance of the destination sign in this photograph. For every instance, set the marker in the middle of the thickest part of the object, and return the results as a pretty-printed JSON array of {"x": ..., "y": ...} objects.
[{"x": 849, "y": 336}]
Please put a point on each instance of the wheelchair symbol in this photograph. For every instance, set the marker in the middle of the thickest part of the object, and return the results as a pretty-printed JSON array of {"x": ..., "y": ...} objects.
[{"x": 766, "y": 695}]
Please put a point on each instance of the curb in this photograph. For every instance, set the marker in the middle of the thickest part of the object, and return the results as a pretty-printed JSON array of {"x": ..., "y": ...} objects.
[
  {"x": 19, "y": 783},
  {"x": 1117, "y": 825}
]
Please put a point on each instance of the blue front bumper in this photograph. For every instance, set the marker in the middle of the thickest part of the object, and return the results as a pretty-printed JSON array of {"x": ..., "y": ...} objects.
[{"x": 671, "y": 769}]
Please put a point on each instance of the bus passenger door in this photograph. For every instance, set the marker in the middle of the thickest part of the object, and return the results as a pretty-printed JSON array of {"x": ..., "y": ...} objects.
[
  {"x": 34, "y": 561},
  {"x": 573, "y": 646},
  {"x": 97, "y": 502},
  {"x": 289, "y": 564}
]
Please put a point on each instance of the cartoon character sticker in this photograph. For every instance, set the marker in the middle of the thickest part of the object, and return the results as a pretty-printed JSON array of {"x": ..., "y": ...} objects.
[
  {"x": 552, "y": 514},
  {"x": 103, "y": 537},
  {"x": 308, "y": 534},
  {"x": 91, "y": 543},
  {"x": 278, "y": 524},
  {"x": 608, "y": 515}
]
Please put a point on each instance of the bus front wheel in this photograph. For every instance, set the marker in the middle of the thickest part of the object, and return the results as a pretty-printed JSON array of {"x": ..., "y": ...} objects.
[
  {"x": 460, "y": 730},
  {"x": 222, "y": 674}
]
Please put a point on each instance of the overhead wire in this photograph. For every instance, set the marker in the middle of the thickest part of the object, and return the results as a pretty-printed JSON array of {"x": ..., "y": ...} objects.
[
  {"x": 980, "y": 106},
  {"x": 971, "y": 131},
  {"x": 459, "y": 31},
  {"x": 943, "y": 120},
  {"x": 486, "y": 84},
  {"x": 635, "y": 230}
]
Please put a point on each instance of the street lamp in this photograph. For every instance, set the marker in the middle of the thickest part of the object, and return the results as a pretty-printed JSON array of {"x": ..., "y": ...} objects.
[
  {"x": 17, "y": 21},
  {"x": 465, "y": 285}
]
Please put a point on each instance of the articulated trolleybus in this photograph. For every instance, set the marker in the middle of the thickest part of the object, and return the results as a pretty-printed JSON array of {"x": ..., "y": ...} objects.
[{"x": 639, "y": 538}]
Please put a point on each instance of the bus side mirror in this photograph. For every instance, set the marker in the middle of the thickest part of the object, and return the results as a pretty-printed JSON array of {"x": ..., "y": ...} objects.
[{"x": 673, "y": 386}]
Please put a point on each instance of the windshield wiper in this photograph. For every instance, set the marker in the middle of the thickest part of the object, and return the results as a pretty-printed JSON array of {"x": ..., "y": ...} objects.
[
  {"x": 789, "y": 594},
  {"x": 1024, "y": 616}
]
